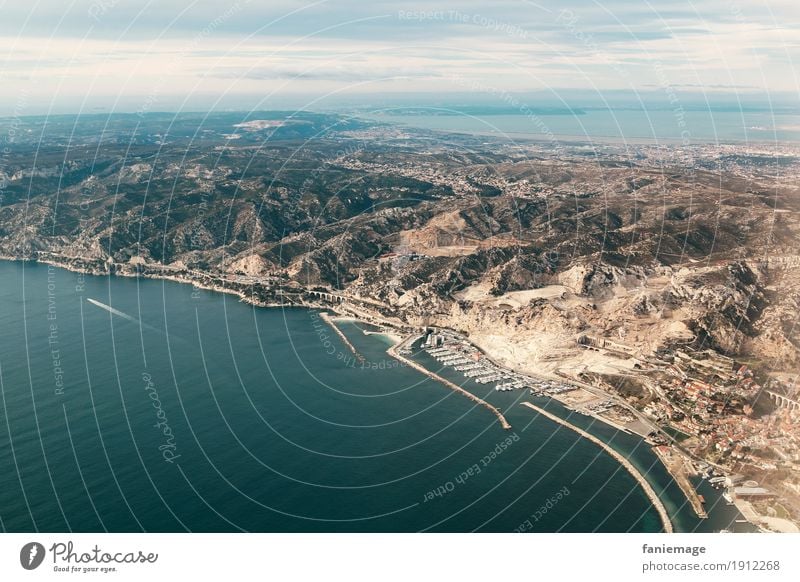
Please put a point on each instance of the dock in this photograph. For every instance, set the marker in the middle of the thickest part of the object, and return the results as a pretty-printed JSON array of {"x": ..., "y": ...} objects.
[
  {"x": 327, "y": 319},
  {"x": 393, "y": 351},
  {"x": 676, "y": 466},
  {"x": 648, "y": 489}
]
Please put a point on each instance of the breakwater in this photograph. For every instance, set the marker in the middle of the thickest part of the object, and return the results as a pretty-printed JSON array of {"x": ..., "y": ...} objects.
[
  {"x": 393, "y": 351},
  {"x": 648, "y": 489},
  {"x": 327, "y": 319},
  {"x": 676, "y": 466}
]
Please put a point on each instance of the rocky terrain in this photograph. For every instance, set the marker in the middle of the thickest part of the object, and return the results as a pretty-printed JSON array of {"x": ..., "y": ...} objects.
[
  {"x": 524, "y": 248},
  {"x": 667, "y": 276}
]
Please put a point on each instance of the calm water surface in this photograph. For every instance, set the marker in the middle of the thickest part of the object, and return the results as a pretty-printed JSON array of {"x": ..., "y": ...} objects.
[
  {"x": 625, "y": 125},
  {"x": 188, "y": 410}
]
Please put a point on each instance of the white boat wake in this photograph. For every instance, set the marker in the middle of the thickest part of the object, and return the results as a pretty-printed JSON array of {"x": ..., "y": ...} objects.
[{"x": 110, "y": 309}]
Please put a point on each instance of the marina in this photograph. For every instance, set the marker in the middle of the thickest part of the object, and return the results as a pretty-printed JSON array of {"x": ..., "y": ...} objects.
[
  {"x": 396, "y": 352},
  {"x": 452, "y": 351},
  {"x": 291, "y": 380},
  {"x": 446, "y": 347}
]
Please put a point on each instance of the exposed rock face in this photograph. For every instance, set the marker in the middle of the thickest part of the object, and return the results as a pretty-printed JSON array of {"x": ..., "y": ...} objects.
[
  {"x": 638, "y": 311},
  {"x": 252, "y": 265},
  {"x": 511, "y": 244},
  {"x": 600, "y": 280}
]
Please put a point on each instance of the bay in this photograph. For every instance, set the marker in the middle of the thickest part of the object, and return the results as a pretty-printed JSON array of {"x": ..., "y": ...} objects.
[
  {"x": 159, "y": 407},
  {"x": 690, "y": 126}
]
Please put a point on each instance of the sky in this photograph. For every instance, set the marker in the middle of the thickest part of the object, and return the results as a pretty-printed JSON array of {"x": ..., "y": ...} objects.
[{"x": 165, "y": 55}]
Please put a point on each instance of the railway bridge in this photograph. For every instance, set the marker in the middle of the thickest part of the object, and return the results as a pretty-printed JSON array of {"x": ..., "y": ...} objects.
[
  {"x": 325, "y": 296},
  {"x": 783, "y": 401}
]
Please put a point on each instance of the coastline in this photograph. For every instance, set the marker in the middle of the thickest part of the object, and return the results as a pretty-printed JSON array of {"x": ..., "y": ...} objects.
[
  {"x": 393, "y": 351},
  {"x": 676, "y": 466},
  {"x": 330, "y": 321},
  {"x": 343, "y": 312},
  {"x": 392, "y": 337},
  {"x": 338, "y": 308},
  {"x": 648, "y": 489},
  {"x": 591, "y": 138}
]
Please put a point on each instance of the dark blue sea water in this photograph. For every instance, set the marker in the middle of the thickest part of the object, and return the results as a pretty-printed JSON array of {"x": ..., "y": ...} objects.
[
  {"x": 188, "y": 410},
  {"x": 624, "y": 125}
]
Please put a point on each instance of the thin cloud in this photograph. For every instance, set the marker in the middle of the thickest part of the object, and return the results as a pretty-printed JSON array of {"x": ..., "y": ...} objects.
[{"x": 141, "y": 48}]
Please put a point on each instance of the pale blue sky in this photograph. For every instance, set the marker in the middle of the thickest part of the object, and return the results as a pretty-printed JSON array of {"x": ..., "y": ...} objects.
[{"x": 129, "y": 54}]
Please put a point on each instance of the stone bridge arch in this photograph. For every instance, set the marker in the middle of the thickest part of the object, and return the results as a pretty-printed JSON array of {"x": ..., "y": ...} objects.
[{"x": 783, "y": 401}]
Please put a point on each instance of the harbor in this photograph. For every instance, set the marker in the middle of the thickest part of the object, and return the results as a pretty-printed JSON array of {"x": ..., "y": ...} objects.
[
  {"x": 400, "y": 351},
  {"x": 680, "y": 468},
  {"x": 361, "y": 397},
  {"x": 329, "y": 320},
  {"x": 453, "y": 351},
  {"x": 648, "y": 489}
]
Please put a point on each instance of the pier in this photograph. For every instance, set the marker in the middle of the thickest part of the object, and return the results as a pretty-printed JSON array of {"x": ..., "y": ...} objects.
[
  {"x": 327, "y": 319},
  {"x": 648, "y": 489},
  {"x": 393, "y": 351},
  {"x": 676, "y": 466}
]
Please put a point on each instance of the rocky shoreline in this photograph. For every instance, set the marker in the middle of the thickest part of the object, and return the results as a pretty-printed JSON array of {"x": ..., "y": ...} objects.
[{"x": 295, "y": 295}]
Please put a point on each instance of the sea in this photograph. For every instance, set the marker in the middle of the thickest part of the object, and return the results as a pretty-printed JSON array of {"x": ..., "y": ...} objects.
[
  {"x": 132, "y": 405},
  {"x": 632, "y": 126}
]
